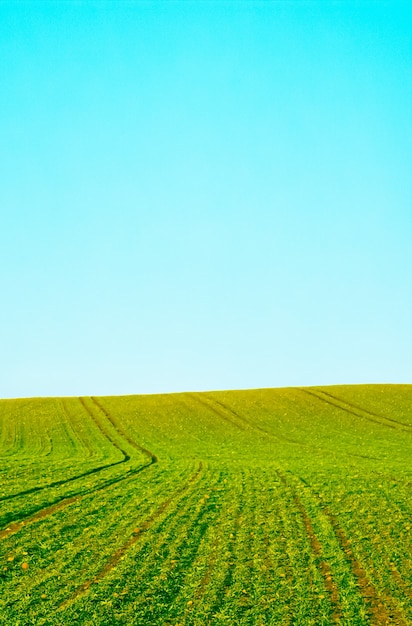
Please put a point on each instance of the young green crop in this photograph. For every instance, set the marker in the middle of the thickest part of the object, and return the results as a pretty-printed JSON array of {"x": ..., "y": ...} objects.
[{"x": 261, "y": 507}]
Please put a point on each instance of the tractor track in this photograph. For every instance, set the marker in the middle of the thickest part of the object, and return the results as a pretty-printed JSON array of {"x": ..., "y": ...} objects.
[
  {"x": 208, "y": 404},
  {"x": 351, "y": 410},
  {"x": 133, "y": 539},
  {"x": 223, "y": 409},
  {"x": 121, "y": 432},
  {"x": 64, "y": 481},
  {"x": 378, "y": 610},
  {"x": 317, "y": 549},
  {"x": 359, "y": 408},
  {"x": 126, "y": 458},
  {"x": 16, "y": 523}
]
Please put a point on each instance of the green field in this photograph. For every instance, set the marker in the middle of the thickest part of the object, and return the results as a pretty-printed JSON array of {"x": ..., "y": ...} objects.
[{"x": 262, "y": 507}]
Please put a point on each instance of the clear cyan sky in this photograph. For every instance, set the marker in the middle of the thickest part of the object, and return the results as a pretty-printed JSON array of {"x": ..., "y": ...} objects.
[{"x": 204, "y": 195}]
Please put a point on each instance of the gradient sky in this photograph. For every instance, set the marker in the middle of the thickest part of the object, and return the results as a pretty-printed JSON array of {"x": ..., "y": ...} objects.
[{"x": 204, "y": 195}]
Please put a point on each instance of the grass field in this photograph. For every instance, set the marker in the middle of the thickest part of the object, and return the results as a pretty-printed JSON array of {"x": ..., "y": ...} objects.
[{"x": 262, "y": 507}]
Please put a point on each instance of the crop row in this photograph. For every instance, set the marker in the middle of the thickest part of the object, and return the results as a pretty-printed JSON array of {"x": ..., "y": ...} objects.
[{"x": 200, "y": 509}]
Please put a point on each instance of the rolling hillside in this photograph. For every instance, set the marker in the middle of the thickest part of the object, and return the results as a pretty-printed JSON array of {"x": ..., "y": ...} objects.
[{"x": 261, "y": 507}]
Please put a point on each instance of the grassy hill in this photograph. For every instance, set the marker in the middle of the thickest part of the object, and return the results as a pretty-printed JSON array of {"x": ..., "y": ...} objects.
[{"x": 261, "y": 507}]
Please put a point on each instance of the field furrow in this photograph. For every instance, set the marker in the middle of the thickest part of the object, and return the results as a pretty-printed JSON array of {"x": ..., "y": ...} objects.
[
  {"x": 122, "y": 433},
  {"x": 18, "y": 522},
  {"x": 344, "y": 406},
  {"x": 357, "y": 407},
  {"x": 286, "y": 507},
  {"x": 322, "y": 563},
  {"x": 380, "y": 606},
  {"x": 137, "y": 534}
]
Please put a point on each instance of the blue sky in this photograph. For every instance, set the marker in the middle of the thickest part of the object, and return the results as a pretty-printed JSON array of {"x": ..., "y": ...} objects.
[{"x": 204, "y": 195}]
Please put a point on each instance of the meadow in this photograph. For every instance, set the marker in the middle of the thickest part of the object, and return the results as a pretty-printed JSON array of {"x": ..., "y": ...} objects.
[{"x": 263, "y": 507}]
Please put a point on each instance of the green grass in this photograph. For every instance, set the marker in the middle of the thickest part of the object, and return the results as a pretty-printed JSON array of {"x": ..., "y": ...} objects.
[{"x": 262, "y": 507}]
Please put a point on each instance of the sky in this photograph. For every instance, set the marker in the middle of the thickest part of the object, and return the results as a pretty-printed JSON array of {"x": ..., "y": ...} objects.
[{"x": 204, "y": 195}]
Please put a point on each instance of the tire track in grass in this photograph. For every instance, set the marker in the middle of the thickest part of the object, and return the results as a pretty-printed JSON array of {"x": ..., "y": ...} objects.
[
  {"x": 236, "y": 419},
  {"x": 126, "y": 457},
  {"x": 387, "y": 559},
  {"x": 348, "y": 409},
  {"x": 82, "y": 546},
  {"x": 363, "y": 410},
  {"x": 224, "y": 410},
  {"x": 250, "y": 424},
  {"x": 45, "y": 511},
  {"x": 18, "y": 525},
  {"x": 153, "y": 458},
  {"x": 136, "y": 535},
  {"x": 396, "y": 575},
  {"x": 316, "y": 546},
  {"x": 323, "y": 565},
  {"x": 94, "y": 470},
  {"x": 378, "y": 612},
  {"x": 133, "y": 539},
  {"x": 104, "y": 430},
  {"x": 18, "y": 522},
  {"x": 206, "y": 402},
  {"x": 65, "y": 481},
  {"x": 296, "y": 562}
]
